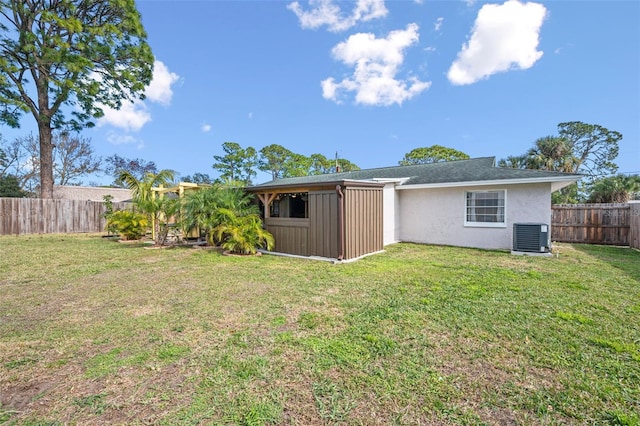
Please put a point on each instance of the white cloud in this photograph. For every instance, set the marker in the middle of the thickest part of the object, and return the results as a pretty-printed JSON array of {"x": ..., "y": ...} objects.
[
  {"x": 504, "y": 37},
  {"x": 250, "y": 116},
  {"x": 326, "y": 12},
  {"x": 376, "y": 62},
  {"x": 122, "y": 139},
  {"x": 206, "y": 128},
  {"x": 438, "y": 24},
  {"x": 160, "y": 88},
  {"x": 132, "y": 116}
]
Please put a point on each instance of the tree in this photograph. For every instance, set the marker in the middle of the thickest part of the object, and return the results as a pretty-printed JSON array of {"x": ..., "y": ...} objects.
[
  {"x": 10, "y": 187},
  {"x": 432, "y": 154},
  {"x": 345, "y": 165},
  {"x": 21, "y": 161},
  {"x": 198, "y": 178},
  {"x": 273, "y": 159},
  {"x": 615, "y": 189},
  {"x": 320, "y": 165},
  {"x": 238, "y": 164},
  {"x": 73, "y": 157},
  {"x": 137, "y": 167},
  {"x": 158, "y": 209},
  {"x": 76, "y": 53},
  {"x": 551, "y": 153},
  {"x": 594, "y": 147},
  {"x": 514, "y": 162}
]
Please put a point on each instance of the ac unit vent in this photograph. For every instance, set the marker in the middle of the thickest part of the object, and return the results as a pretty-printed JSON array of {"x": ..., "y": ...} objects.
[{"x": 531, "y": 237}]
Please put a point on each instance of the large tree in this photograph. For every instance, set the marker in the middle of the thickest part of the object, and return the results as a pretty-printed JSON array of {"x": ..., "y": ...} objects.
[
  {"x": 594, "y": 147},
  {"x": 136, "y": 167},
  {"x": 432, "y": 154},
  {"x": 78, "y": 53},
  {"x": 551, "y": 153},
  {"x": 73, "y": 157},
  {"x": 238, "y": 164},
  {"x": 274, "y": 159}
]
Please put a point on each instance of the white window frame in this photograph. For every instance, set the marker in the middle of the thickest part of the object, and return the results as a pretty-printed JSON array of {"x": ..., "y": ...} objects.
[{"x": 502, "y": 224}]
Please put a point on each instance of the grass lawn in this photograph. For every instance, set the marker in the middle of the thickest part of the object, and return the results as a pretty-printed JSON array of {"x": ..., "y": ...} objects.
[{"x": 96, "y": 332}]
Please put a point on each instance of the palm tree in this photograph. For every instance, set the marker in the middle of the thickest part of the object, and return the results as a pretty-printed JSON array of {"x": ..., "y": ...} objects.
[
  {"x": 552, "y": 153},
  {"x": 241, "y": 234},
  {"x": 198, "y": 208},
  {"x": 209, "y": 208},
  {"x": 615, "y": 189},
  {"x": 149, "y": 201}
]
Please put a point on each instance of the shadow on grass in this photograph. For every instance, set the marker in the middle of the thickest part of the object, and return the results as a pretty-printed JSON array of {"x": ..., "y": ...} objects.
[{"x": 624, "y": 258}]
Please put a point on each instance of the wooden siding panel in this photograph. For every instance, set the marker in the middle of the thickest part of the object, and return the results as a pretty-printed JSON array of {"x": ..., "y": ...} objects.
[
  {"x": 47, "y": 216},
  {"x": 291, "y": 235},
  {"x": 363, "y": 221},
  {"x": 323, "y": 224}
]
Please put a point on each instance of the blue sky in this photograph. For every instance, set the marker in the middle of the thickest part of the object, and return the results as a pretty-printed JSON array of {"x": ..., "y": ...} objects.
[{"x": 371, "y": 80}]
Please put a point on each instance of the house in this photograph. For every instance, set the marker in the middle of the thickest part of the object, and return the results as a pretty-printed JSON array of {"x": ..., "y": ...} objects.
[
  {"x": 467, "y": 203},
  {"x": 91, "y": 193}
]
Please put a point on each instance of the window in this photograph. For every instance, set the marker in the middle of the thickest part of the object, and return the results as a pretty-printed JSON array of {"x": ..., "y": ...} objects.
[{"x": 485, "y": 208}]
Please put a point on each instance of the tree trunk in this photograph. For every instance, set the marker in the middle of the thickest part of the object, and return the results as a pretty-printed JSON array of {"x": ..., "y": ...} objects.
[{"x": 46, "y": 160}]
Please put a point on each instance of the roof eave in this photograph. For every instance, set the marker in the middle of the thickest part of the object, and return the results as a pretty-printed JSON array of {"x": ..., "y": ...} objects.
[
  {"x": 557, "y": 182},
  {"x": 310, "y": 185}
]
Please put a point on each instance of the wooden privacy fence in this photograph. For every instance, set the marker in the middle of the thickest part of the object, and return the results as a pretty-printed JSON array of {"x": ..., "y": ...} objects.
[
  {"x": 50, "y": 216},
  {"x": 614, "y": 224}
]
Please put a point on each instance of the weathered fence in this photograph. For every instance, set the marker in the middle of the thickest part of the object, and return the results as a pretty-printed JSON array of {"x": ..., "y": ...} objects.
[
  {"x": 634, "y": 225},
  {"x": 593, "y": 224},
  {"x": 50, "y": 216}
]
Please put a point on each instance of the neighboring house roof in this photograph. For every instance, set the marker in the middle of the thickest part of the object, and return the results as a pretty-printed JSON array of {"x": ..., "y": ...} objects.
[
  {"x": 91, "y": 193},
  {"x": 472, "y": 172}
]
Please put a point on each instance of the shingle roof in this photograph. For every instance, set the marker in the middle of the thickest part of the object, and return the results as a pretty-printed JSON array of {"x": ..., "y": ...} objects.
[{"x": 472, "y": 170}]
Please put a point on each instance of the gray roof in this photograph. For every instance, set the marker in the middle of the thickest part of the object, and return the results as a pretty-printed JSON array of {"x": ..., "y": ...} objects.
[{"x": 472, "y": 170}]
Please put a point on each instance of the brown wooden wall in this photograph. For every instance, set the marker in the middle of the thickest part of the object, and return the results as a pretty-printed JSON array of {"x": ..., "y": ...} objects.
[
  {"x": 291, "y": 235},
  {"x": 591, "y": 223},
  {"x": 634, "y": 225},
  {"x": 363, "y": 221},
  {"x": 50, "y": 216},
  {"x": 323, "y": 230}
]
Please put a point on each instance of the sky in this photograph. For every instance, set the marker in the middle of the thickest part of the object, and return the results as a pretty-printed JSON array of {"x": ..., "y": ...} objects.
[{"x": 371, "y": 80}]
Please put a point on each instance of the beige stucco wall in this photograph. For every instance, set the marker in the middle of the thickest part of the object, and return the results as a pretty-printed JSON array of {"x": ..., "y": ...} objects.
[
  {"x": 90, "y": 193},
  {"x": 436, "y": 216}
]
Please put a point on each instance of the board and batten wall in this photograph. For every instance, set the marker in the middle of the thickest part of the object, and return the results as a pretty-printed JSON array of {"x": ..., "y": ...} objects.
[
  {"x": 319, "y": 234},
  {"x": 437, "y": 216}
]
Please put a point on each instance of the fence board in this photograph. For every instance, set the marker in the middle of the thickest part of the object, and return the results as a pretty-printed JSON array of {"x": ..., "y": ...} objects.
[
  {"x": 48, "y": 216},
  {"x": 634, "y": 228},
  {"x": 591, "y": 223}
]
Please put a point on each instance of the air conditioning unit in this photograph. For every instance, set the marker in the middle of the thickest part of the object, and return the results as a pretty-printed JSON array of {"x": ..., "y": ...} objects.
[{"x": 531, "y": 237}]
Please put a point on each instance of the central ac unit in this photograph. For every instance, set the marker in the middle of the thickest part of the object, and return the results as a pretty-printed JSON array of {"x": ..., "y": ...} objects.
[{"x": 531, "y": 237}]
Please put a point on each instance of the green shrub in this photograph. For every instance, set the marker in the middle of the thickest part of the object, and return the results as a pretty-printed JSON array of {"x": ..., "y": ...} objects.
[{"x": 130, "y": 225}]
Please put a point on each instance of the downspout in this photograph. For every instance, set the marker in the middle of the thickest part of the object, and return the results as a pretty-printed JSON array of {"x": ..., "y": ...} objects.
[{"x": 340, "y": 222}]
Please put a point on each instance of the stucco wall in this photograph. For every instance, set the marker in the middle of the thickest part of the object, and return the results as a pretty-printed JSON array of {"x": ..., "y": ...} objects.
[
  {"x": 391, "y": 214},
  {"x": 436, "y": 216},
  {"x": 91, "y": 193}
]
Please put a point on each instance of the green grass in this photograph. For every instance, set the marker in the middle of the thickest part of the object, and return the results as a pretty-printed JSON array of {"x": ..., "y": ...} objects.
[{"x": 96, "y": 332}]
